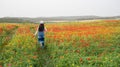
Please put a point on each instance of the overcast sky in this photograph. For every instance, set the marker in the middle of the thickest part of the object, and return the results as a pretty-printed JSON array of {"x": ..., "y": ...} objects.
[{"x": 48, "y": 8}]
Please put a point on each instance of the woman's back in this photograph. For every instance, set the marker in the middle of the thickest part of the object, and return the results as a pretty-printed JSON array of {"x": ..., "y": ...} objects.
[{"x": 41, "y": 28}]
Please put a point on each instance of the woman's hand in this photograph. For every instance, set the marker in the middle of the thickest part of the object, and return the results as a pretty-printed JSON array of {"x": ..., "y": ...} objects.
[
  {"x": 45, "y": 29},
  {"x": 35, "y": 33}
]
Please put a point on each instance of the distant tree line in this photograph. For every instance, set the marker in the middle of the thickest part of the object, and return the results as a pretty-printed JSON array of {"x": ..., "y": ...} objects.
[
  {"x": 12, "y": 20},
  {"x": 48, "y": 19}
]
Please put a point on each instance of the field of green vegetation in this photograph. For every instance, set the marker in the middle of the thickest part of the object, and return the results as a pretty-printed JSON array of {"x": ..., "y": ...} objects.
[{"x": 69, "y": 44}]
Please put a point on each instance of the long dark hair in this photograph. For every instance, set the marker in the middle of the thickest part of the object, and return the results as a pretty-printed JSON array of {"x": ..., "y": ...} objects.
[{"x": 41, "y": 27}]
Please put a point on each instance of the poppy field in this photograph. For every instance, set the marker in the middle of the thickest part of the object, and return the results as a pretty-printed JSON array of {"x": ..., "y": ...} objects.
[{"x": 67, "y": 44}]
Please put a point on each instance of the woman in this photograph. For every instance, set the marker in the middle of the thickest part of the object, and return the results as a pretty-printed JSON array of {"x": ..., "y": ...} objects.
[{"x": 40, "y": 30}]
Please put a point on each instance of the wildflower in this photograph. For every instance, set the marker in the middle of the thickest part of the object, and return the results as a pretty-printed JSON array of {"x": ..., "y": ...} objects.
[
  {"x": 81, "y": 59},
  {"x": 0, "y": 65},
  {"x": 9, "y": 65},
  {"x": 34, "y": 57},
  {"x": 31, "y": 66},
  {"x": 61, "y": 57},
  {"x": 88, "y": 58},
  {"x": 28, "y": 61}
]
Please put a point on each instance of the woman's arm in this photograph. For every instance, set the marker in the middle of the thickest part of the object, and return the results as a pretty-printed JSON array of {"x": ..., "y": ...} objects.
[
  {"x": 45, "y": 29},
  {"x": 36, "y": 31}
]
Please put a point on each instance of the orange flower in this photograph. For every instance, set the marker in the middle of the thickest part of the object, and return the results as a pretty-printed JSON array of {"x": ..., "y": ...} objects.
[
  {"x": 0, "y": 65},
  {"x": 81, "y": 59},
  {"x": 9, "y": 65},
  {"x": 34, "y": 57},
  {"x": 1, "y": 30},
  {"x": 88, "y": 58}
]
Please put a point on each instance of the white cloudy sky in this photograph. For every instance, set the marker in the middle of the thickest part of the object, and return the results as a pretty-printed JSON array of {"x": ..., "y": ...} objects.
[{"x": 47, "y": 8}]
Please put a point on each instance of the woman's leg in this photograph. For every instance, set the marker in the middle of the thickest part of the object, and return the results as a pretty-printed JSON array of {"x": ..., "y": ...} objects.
[
  {"x": 41, "y": 39},
  {"x": 42, "y": 44}
]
